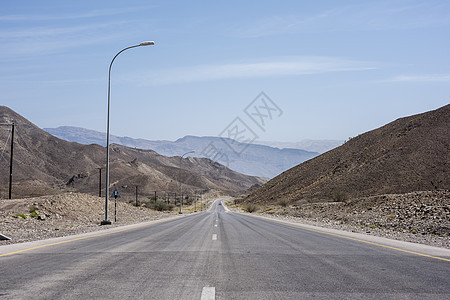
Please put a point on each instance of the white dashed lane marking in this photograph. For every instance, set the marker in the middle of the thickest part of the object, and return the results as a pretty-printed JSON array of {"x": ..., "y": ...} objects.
[
  {"x": 214, "y": 237},
  {"x": 208, "y": 293}
]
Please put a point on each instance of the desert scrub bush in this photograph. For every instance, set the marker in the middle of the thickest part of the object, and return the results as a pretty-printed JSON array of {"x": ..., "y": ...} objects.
[
  {"x": 340, "y": 196},
  {"x": 250, "y": 208},
  {"x": 163, "y": 206},
  {"x": 269, "y": 209},
  {"x": 20, "y": 216},
  {"x": 228, "y": 203},
  {"x": 33, "y": 211},
  {"x": 283, "y": 202}
]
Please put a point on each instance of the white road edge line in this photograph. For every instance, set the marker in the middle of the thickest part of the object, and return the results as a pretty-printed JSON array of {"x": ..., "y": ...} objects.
[
  {"x": 225, "y": 207},
  {"x": 214, "y": 237},
  {"x": 208, "y": 293}
]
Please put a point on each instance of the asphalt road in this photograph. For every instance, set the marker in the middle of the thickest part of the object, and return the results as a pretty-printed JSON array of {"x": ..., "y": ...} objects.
[{"x": 222, "y": 255}]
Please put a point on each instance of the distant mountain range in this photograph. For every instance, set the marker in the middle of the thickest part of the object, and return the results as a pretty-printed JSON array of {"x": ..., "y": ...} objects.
[
  {"x": 44, "y": 164},
  {"x": 251, "y": 159},
  {"x": 320, "y": 146}
]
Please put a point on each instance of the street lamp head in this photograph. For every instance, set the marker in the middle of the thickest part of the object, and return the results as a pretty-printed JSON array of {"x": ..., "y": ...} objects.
[{"x": 148, "y": 43}]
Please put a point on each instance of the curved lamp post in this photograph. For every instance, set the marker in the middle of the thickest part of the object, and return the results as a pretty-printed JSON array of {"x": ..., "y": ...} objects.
[
  {"x": 179, "y": 178},
  {"x": 150, "y": 43}
]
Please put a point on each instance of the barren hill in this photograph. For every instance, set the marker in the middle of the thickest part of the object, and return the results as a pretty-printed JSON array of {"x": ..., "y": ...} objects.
[
  {"x": 44, "y": 164},
  {"x": 409, "y": 154}
]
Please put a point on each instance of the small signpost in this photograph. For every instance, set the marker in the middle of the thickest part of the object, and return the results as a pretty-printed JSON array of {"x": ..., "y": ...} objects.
[{"x": 116, "y": 195}]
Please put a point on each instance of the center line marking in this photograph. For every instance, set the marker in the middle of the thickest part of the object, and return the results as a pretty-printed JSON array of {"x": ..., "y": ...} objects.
[
  {"x": 208, "y": 293},
  {"x": 214, "y": 237},
  {"x": 215, "y": 225}
]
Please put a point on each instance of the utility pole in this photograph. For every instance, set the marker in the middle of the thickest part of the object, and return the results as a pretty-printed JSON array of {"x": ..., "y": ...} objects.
[
  {"x": 11, "y": 160},
  {"x": 11, "y": 157},
  {"x": 195, "y": 199},
  {"x": 100, "y": 182},
  {"x": 179, "y": 179},
  {"x": 136, "y": 195}
]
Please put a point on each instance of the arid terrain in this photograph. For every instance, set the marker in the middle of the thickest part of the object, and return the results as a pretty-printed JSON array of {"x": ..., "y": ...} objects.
[
  {"x": 393, "y": 181},
  {"x": 65, "y": 214},
  {"x": 420, "y": 217},
  {"x": 44, "y": 164}
]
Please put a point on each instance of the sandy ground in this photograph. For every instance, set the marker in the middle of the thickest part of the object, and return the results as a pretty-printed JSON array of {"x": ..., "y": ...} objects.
[{"x": 67, "y": 214}]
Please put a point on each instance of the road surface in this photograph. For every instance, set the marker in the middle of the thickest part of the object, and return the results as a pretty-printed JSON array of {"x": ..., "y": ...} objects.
[{"x": 219, "y": 255}]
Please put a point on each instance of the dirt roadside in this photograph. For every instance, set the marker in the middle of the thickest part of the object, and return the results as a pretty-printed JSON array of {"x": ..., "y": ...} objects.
[
  {"x": 38, "y": 218},
  {"x": 418, "y": 217}
]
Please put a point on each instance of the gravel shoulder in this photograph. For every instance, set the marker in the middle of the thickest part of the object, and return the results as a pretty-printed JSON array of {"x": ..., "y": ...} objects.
[
  {"x": 418, "y": 217},
  {"x": 32, "y": 219}
]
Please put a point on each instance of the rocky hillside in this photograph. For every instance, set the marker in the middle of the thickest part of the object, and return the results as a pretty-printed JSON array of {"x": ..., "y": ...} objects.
[
  {"x": 44, "y": 164},
  {"x": 409, "y": 154}
]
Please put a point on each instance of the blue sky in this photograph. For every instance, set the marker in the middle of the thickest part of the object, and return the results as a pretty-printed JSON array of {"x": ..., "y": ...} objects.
[{"x": 334, "y": 68}]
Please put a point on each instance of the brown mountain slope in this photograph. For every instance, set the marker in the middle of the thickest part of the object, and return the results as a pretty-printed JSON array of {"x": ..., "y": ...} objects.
[
  {"x": 45, "y": 164},
  {"x": 409, "y": 154}
]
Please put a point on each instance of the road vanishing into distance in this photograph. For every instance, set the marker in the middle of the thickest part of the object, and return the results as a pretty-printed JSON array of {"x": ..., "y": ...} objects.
[{"x": 219, "y": 255}]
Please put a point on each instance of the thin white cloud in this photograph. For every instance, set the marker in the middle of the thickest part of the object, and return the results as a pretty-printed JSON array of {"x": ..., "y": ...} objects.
[
  {"x": 421, "y": 78},
  {"x": 280, "y": 67},
  {"x": 368, "y": 16},
  {"x": 83, "y": 15},
  {"x": 48, "y": 40},
  {"x": 35, "y": 35},
  {"x": 52, "y": 31}
]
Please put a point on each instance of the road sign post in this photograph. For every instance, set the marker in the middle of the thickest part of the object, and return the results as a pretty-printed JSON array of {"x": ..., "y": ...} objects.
[
  {"x": 99, "y": 182},
  {"x": 116, "y": 195}
]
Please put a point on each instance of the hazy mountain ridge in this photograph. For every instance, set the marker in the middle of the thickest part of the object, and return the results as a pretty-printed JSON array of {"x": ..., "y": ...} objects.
[
  {"x": 44, "y": 163},
  {"x": 320, "y": 146},
  {"x": 255, "y": 160}
]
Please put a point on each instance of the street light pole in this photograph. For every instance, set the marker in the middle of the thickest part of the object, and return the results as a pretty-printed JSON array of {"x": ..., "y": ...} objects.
[
  {"x": 99, "y": 182},
  {"x": 106, "y": 221},
  {"x": 179, "y": 178}
]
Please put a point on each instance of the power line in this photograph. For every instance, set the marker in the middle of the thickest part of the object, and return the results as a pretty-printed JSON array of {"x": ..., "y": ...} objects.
[{"x": 6, "y": 143}]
